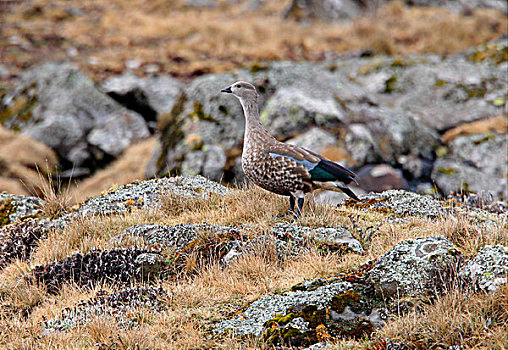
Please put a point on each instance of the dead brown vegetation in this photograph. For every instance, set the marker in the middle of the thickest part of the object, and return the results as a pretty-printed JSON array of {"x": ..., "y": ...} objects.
[
  {"x": 25, "y": 164},
  {"x": 185, "y": 41}
]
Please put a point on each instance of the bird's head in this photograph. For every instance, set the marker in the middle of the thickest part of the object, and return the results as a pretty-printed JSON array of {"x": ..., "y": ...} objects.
[{"x": 242, "y": 90}]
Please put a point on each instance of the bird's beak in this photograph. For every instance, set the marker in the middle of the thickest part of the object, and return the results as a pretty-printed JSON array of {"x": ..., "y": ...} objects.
[{"x": 228, "y": 90}]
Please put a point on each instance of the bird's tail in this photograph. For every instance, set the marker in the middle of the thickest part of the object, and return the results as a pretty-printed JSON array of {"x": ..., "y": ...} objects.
[{"x": 330, "y": 186}]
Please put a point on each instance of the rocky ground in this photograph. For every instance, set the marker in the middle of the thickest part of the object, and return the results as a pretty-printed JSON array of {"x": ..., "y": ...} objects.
[
  {"x": 430, "y": 121},
  {"x": 420, "y": 123},
  {"x": 103, "y": 103},
  {"x": 183, "y": 254}
]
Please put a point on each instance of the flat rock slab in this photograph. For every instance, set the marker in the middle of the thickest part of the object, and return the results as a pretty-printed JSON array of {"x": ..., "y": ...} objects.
[
  {"x": 414, "y": 267},
  {"x": 488, "y": 270},
  {"x": 400, "y": 203}
]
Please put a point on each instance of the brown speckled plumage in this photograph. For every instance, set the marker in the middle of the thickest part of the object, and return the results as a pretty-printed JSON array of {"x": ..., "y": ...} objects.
[{"x": 281, "y": 168}]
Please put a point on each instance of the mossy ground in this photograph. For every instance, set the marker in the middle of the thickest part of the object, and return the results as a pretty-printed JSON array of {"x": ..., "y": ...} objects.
[{"x": 204, "y": 292}]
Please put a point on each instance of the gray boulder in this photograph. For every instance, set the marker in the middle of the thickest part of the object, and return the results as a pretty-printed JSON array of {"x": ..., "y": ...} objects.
[
  {"x": 149, "y": 96},
  {"x": 452, "y": 92},
  {"x": 383, "y": 135},
  {"x": 60, "y": 106},
  {"x": 474, "y": 163},
  {"x": 462, "y": 6},
  {"x": 488, "y": 270},
  {"x": 414, "y": 267},
  {"x": 290, "y": 111},
  {"x": 315, "y": 139},
  {"x": 252, "y": 320},
  {"x": 298, "y": 317}
]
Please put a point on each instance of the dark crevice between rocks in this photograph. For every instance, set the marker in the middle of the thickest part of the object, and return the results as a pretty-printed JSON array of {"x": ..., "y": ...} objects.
[
  {"x": 69, "y": 172},
  {"x": 137, "y": 101}
]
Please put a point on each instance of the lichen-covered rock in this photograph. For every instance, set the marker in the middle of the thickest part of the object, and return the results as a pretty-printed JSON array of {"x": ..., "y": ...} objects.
[
  {"x": 252, "y": 320},
  {"x": 488, "y": 270},
  {"x": 117, "y": 266},
  {"x": 60, "y": 106},
  {"x": 147, "y": 194},
  {"x": 304, "y": 317},
  {"x": 475, "y": 163},
  {"x": 16, "y": 207},
  {"x": 401, "y": 203},
  {"x": 104, "y": 304},
  {"x": 18, "y": 240},
  {"x": 334, "y": 238},
  {"x": 414, "y": 267},
  {"x": 325, "y": 10}
]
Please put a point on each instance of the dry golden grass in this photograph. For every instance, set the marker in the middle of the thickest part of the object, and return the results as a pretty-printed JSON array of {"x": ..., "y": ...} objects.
[
  {"x": 185, "y": 41},
  {"x": 207, "y": 292},
  {"x": 478, "y": 321},
  {"x": 497, "y": 125},
  {"x": 22, "y": 162}
]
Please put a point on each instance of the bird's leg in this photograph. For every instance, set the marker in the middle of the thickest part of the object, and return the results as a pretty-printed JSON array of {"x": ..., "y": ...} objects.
[
  {"x": 291, "y": 205},
  {"x": 299, "y": 208}
]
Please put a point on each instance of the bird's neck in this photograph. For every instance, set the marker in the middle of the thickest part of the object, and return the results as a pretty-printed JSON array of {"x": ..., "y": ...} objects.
[{"x": 254, "y": 128}]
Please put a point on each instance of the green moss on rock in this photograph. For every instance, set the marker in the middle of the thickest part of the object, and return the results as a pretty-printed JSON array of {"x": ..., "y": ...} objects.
[
  {"x": 339, "y": 302},
  {"x": 7, "y": 208},
  {"x": 257, "y": 67},
  {"x": 447, "y": 171},
  {"x": 199, "y": 113}
]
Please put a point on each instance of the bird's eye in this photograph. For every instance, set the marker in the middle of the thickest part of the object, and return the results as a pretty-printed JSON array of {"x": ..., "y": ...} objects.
[{"x": 238, "y": 86}]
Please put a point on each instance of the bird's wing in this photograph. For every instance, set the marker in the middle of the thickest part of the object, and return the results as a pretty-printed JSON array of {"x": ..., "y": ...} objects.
[
  {"x": 298, "y": 154},
  {"x": 319, "y": 168}
]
